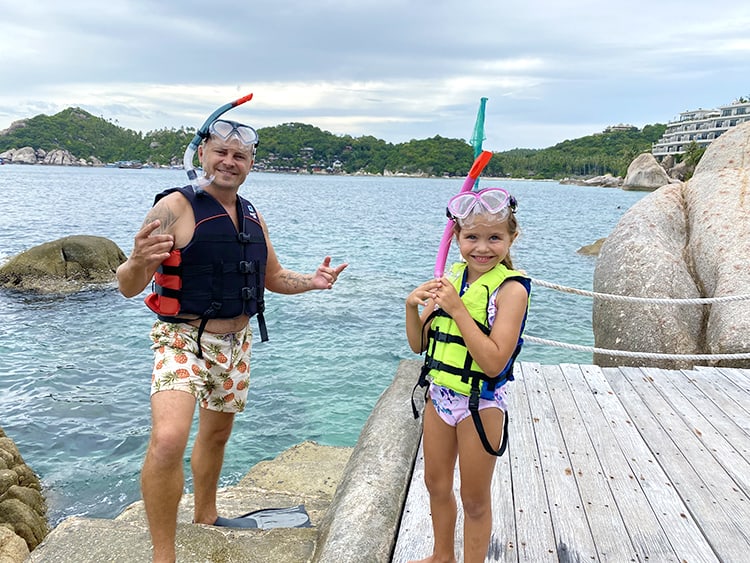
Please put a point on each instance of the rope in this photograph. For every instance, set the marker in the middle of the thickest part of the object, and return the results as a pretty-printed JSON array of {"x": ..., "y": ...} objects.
[
  {"x": 654, "y": 300},
  {"x": 627, "y": 353}
]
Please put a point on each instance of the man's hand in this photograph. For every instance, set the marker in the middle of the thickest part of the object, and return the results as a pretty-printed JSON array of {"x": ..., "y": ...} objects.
[
  {"x": 149, "y": 250},
  {"x": 325, "y": 276}
]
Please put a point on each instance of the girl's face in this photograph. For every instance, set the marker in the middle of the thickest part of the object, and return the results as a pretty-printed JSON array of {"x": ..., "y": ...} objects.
[{"x": 484, "y": 245}]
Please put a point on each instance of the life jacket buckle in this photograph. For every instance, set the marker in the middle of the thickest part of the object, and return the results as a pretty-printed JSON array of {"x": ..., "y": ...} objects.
[
  {"x": 247, "y": 267},
  {"x": 249, "y": 293},
  {"x": 244, "y": 238}
]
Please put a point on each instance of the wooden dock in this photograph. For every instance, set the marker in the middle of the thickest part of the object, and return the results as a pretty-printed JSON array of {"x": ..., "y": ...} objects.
[{"x": 615, "y": 465}]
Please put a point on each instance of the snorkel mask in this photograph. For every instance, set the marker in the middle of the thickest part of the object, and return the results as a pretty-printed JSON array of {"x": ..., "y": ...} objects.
[
  {"x": 491, "y": 205},
  {"x": 223, "y": 129}
]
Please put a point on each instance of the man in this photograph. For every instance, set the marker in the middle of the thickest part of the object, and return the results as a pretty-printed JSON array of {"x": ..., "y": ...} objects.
[{"x": 210, "y": 256}]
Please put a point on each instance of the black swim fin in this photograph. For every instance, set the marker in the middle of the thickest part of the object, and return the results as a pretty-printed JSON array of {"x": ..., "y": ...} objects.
[{"x": 266, "y": 518}]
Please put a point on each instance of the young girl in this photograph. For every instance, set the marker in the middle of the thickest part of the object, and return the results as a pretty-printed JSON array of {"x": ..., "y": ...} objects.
[{"x": 470, "y": 330}]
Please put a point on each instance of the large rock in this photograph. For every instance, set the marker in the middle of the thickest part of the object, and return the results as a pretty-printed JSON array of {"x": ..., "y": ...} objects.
[
  {"x": 12, "y": 547},
  {"x": 645, "y": 173},
  {"x": 65, "y": 265},
  {"x": 25, "y": 155},
  {"x": 682, "y": 241},
  {"x": 23, "y": 511},
  {"x": 606, "y": 181},
  {"x": 60, "y": 157}
]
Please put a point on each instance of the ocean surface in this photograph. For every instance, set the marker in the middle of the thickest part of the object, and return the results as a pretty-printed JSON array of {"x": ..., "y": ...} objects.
[{"x": 76, "y": 368}]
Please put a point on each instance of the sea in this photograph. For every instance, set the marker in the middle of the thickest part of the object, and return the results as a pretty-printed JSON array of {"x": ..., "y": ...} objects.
[{"x": 76, "y": 368}]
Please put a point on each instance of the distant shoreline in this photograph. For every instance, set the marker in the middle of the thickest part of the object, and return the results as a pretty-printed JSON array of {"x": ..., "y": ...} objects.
[{"x": 297, "y": 173}]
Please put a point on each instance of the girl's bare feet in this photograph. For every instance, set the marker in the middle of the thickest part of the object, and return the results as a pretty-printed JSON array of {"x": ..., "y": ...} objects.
[{"x": 433, "y": 559}]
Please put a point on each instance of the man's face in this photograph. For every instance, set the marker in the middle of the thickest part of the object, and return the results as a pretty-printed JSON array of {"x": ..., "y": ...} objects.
[{"x": 229, "y": 162}]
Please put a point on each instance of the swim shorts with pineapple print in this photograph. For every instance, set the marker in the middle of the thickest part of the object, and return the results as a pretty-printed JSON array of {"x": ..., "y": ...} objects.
[{"x": 219, "y": 381}]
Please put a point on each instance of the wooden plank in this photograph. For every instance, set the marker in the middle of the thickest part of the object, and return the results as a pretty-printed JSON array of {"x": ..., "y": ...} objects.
[
  {"x": 653, "y": 511},
  {"x": 722, "y": 429},
  {"x": 596, "y": 455},
  {"x": 605, "y": 522},
  {"x": 617, "y": 507},
  {"x": 741, "y": 376},
  {"x": 701, "y": 418},
  {"x": 502, "y": 546},
  {"x": 535, "y": 539},
  {"x": 573, "y": 537},
  {"x": 727, "y": 396},
  {"x": 700, "y": 481},
  {"x": 415, "y": 530},
  {"x": 740, "y": 379}
]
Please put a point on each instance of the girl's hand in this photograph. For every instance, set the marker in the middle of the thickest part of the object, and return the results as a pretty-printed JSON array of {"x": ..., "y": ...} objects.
[
  {"x": 446, "y": 296},
  {"x": 422, "y": 294}
]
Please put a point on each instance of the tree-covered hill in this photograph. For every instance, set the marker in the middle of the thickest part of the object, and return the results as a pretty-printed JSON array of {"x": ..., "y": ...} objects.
[
  {"x": 594, "y": 155},
  {"x": 302, "y": 147},
  {"x": 86, "y": 136}
]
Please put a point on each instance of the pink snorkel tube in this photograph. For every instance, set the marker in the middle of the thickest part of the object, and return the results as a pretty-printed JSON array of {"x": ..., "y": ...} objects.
[{"x": 445, "y": 242}]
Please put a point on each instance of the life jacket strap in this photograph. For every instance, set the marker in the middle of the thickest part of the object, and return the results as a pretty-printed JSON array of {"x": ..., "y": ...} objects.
[
  {"x": 262, "y": 327},
  {"x": 440, "y": 336},
  {"x": 474, "y": 410},
  {"x": 169, "y": 270},
  {"x": 165, "y": 291},
  {"x": 209, "y": 314},
  {"x": 421, "y": 382}
]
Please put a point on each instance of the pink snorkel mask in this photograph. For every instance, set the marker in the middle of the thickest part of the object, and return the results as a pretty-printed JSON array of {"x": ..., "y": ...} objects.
[{"x": 491, "y": 204}]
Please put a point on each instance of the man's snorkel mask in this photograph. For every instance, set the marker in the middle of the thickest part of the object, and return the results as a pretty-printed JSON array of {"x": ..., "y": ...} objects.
[{"x": 223, "y": 129}]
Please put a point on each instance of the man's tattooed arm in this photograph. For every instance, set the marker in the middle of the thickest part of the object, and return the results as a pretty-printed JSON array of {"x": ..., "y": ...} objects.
[
  {"x": 294, "y": 282},
  {"x": 165, "y": 215}
]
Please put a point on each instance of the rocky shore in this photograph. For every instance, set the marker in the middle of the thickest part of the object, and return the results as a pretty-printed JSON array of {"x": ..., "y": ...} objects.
[
  {"x": 23, "y": 523},
  {"x": 354, "y": 497}
]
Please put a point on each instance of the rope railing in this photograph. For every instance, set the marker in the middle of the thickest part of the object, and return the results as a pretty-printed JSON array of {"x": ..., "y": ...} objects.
[
  {"x": 630, "y": 354},
  {"x": 653, "y": 300}
]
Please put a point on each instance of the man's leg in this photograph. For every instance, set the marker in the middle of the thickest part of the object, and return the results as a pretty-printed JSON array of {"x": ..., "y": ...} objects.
[
  {"x": 208, "y": 456},
  {"x": 162, "y": 478}
]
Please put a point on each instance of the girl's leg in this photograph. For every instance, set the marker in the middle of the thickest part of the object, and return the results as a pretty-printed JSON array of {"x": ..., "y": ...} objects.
[
  {"x": 476, "y": 467},
  {"x": 440, "y": 450}
]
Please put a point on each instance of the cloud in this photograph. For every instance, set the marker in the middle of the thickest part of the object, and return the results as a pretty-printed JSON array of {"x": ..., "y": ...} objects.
[{"x": 395, "y": 69}]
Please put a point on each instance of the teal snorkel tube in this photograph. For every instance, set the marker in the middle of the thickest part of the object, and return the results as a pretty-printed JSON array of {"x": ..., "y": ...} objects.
[{"x": 200, "y": 135}]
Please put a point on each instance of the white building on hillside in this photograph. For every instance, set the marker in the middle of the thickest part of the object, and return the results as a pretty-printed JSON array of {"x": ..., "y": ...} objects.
[{"x": 701, "y": 126}]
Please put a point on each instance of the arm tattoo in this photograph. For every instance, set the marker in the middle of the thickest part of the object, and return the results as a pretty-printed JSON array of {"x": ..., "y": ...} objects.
[
  {"x": 295, "y": 281},
  {"x": 165, "y": 215}
]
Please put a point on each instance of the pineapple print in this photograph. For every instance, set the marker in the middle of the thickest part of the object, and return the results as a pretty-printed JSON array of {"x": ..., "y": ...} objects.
[{"x": 215, "y": 351}]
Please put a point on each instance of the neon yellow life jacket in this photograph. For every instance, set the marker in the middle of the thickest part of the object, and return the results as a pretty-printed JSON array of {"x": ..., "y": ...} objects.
[{"x": 447, "y": 360}]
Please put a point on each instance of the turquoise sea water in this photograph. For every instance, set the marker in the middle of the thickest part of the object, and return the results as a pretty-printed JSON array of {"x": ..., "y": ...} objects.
[{"x": 77, "y": 368}]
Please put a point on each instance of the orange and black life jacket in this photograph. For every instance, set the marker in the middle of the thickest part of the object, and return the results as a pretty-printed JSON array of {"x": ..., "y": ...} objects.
[{"x": 220, "y": 273}]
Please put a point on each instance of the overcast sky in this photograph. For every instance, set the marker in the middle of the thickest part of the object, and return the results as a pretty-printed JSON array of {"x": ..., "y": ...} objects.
[{"x": 395, "y": 69}]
